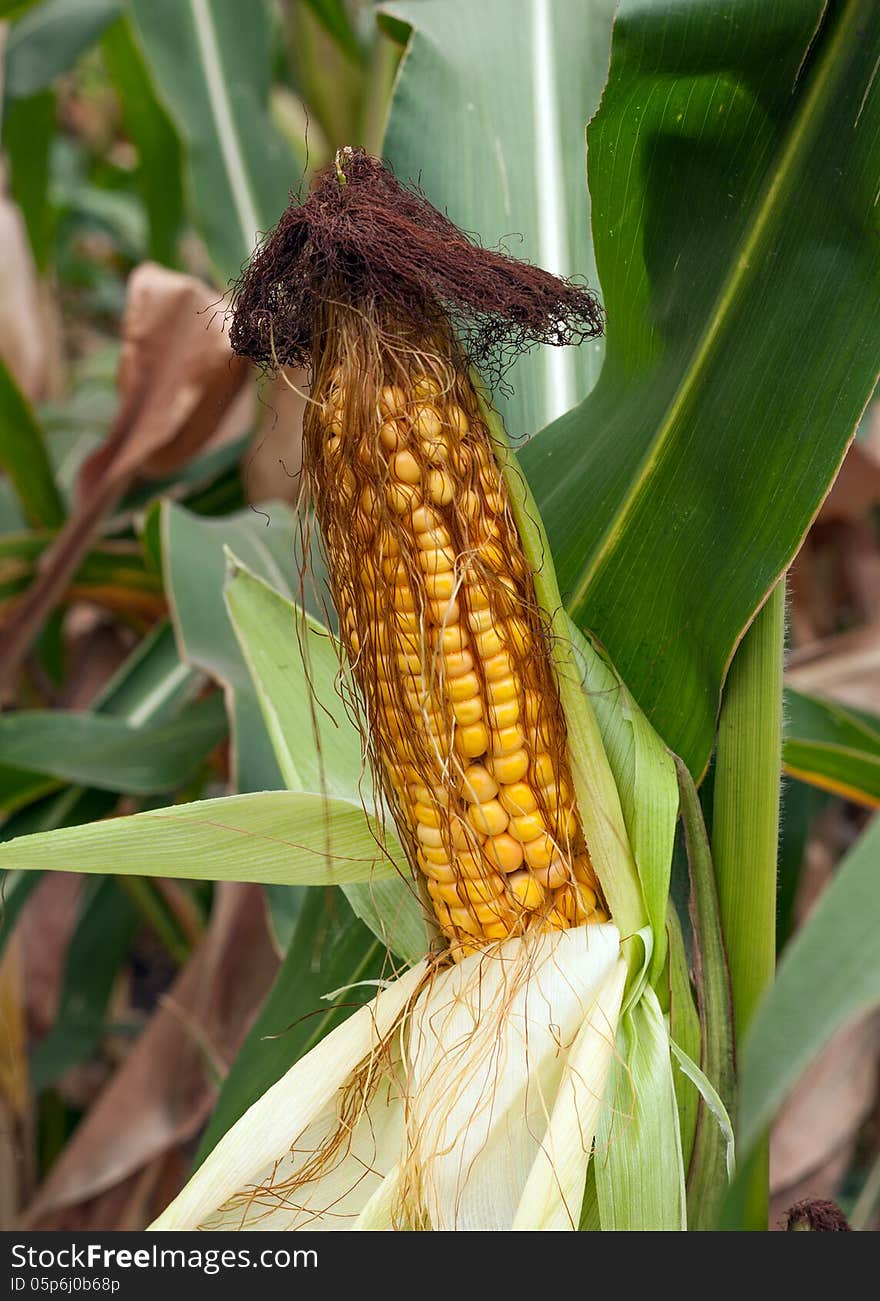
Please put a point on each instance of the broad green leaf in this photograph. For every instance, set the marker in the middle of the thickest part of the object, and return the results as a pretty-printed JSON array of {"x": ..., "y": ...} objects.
[
  {"x": 28, "y": 126},
  {"x": 639, "y": 1171},
  {"x": 146, "y": 122},
  {"x": 48, "y": 39},
  {"x": 828, "y": 975},
  {"x": 333, "y": 17},
  {"x": 110, "y": 753},
  {"x": 329, "y": 950},
  {"x": 100, "y": 942},
  {"x": 830, "y": 746},
  {"x": 738, "y": 252},
  {"x": 295, "y": 664},
  {"x": 194, "y": 566},
  {"x": 489, "y": 110},
  {"x": 276, "y": 837},
  {"x": 211, "y": 66},
  {"x": 23, "y": 457},
  {"x": 644, "y": 772}
]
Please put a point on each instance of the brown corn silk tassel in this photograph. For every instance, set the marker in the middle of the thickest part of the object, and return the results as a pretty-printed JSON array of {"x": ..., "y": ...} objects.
[{"x": 391, "y": 305}]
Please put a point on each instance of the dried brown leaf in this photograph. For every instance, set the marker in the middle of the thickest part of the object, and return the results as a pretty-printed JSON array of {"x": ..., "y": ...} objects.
[
  {"x": 163, "y": 1092},
  {"x": 178, "y": 383}
]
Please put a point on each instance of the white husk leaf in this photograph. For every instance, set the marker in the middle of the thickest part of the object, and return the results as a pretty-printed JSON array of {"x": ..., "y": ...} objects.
[{"x": 470, "y": 1103}]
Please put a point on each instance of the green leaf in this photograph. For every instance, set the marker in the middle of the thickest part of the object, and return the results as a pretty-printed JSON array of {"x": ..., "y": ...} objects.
[
  {"x": 276, "y": 837},
  {"x": 333, "y": 17},
  {"x": 295, "y": 662},
  {"x": 212, "y": 69},
  {"x": 832, "y": 747},
  {"x": 146, "y": 122},
  {"x": 48, "y": 39},
  {"x": 110, "y": 753},
  {"x": 737, "y": 249},
  {"x": 684, "y": 1030},
  {"x": 488, "y": 116},
  {"x": 329, "y": 950},
  {"x": 828, "y": 975},
  {"x": 23, "y": 456},
  {"x": 644, "y": 773},
  {"x": 638, "y": 1160},
  {"x": 28, "y": 127},
  {"x": 194, "y": 566},
  {"x": 99, "y": 945}
]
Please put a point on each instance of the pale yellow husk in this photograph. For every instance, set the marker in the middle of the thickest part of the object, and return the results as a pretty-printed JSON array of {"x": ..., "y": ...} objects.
[{"x": 464, "y": 1099}]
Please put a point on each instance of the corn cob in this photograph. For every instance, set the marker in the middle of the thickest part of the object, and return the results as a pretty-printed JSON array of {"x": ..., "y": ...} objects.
[{"x": 448, "y": 646}]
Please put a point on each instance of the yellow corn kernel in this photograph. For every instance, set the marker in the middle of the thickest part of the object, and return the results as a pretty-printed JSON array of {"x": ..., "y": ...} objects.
[
  {"x": 392, "y": 400},
  {"x": 472, "y": 741},
  {"x": 443, "y": 872},
  {"x": 553, "y": 876},
  {"x": 470, "y": 865},
  {"x": 504, "y": 715},
  {"x": 440, "y": 586},
  {"x": 467, "y": 712},
  {"x": 453, "y": 638},
  {"x": 433, "y": 536},
  {"x": 507, "y": 740},
  {"x": 406, "y": 468},
  {"x": 489, "y": 643},
  {"x": 490, "y": 818},
  {"x": 390, "y": 436},
  {"x": 527, "y": 826},
  {"x": 518, "y": 798},
  {"x": 503, "y": 690},
  {"x": 458, "y": 663},
  {"x": 425, "y": 518},
  {"x": 496, "y": 931},
  {"x": 464, "y": 919},
  {"x": 528, "y": 892},
  {"x": 504, "y": 852},
  {"x": 464, "y": 687},
  {"x": 478, "y": 785},
  {"x": 427, "y": 815},
  {"x": 509, "y": 768},
  {"x": 401, "y": 497},
  {"x": 541, "y": 851},
  {"x": 426, "y": 386},
  {"x": 436, "y": 857},
  {"x": 457, "y": 420},
  {"x": 481, "y": 620},
  {"x": 430, "y": 837},
  {"x": 447, "y": 891},
  {"x": 544, "y": 770},
  {"x": 478, "y": 594},
  {"x": 499, "y": 666},
  {"x": 440, "y": 487}
]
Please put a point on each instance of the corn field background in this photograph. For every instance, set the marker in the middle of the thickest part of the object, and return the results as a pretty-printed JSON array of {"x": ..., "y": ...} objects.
[{"x": 712, "y": 168}]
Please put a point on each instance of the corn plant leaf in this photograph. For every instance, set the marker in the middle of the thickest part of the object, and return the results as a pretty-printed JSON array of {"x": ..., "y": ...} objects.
[
  {"x": 832, "y": 747},
  {"x": 644, "y": 772},
  {"x": 488, "y": 115},
  {"x": 295, "y": 663},
  {"x": 194, "y": 567},
  {"x": 100, "y": 943},
  {"x": 737, "y": 249},
  {"x": 48, "y": 39},
  {"x": 684, "y": 1030},
  {"x": 828, "y": 975},
  {"x": 275, "y": 837},
  {"x": 24, "y": 458},
  {"x": 110, "y": 753},
  {"x": 212, "y": 71},
  {"x": 28, "y": 128},
  {"x": 329, "y": 950},
  {"x": 638, "y": 1159},
  {"x": 158, "y": 175}
]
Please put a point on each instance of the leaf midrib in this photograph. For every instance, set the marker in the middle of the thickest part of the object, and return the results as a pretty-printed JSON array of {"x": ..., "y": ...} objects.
[{"x": 798, "y": 139}]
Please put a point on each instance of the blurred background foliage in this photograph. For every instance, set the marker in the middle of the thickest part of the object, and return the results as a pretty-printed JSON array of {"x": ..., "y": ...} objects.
[{"x": 146, "y": 144}]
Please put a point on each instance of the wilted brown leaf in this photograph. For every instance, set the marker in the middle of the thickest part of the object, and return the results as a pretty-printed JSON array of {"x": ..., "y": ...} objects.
[
  {"x": 272, "y": 469},
  {"x": 845, "y": 667},
  {"x": 179, "y": 383},
  {"x": 163, "y": 1092}
]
